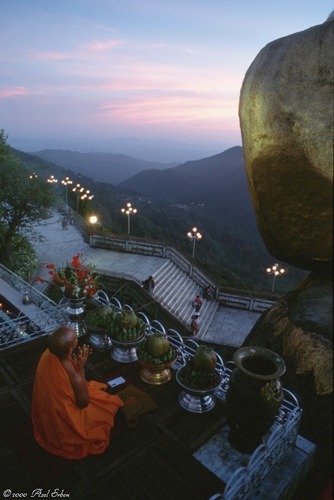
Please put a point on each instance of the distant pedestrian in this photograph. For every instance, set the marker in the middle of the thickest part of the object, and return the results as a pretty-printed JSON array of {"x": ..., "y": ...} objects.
[
  {"x": 208, "y": 293},
  {"x": 149, "y": 285},
  {"x": 195, "y": 324},
  {"x": 197, "y": 304},
  {"x": 70, "y": 217},
  {"x": 64, "y": 223}
]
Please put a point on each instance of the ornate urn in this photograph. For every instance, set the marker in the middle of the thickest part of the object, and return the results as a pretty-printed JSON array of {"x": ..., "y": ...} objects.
[
  {"x": 254, "y": 396},
  {"x": 75, "y": 309},
  {"x": 199, "y": 380},
  {"x": 126, "y": 331},
  {"x": 156, "y": 356}
]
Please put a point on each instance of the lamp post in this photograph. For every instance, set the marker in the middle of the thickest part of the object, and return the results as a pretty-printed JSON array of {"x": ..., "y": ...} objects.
[
  {"x": 78, "y": 189},
  {"x": 65, "y": 183},
  {"x": 87, "y": 196},
  {"x": 52, "y": 179},
  {"x": 93, "y": 219},
  {"x": 129, "y": 210},
  {"x": 194, "y": 235},
  {"x": 82, "y": 194},
  {"x": 275, "y": 270}
]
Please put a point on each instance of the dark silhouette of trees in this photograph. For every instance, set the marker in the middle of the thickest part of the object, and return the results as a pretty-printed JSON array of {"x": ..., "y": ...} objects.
[{"x": 25, "y": 199}]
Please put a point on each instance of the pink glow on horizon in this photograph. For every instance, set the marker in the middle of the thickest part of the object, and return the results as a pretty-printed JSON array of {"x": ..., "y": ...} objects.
[{"x": 163, "y": 70}]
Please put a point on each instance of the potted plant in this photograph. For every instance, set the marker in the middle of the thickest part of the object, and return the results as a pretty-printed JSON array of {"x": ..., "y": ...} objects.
[
  {"x": 77, "y": 281},
  {"x": 199, "y": 378},
  {"x": 126, "y": 331},
  {"x": 156, "y": 355}
]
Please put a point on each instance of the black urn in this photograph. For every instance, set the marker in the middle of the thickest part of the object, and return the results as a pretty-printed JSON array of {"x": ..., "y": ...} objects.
[{"x": 254, "y": 396}]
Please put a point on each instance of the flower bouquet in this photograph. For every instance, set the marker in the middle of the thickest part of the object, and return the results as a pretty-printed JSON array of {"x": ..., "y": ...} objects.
[{"x": 76, "y": 280}]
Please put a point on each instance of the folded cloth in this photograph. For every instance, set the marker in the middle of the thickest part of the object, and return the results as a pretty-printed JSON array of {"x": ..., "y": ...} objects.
[{"x": 136, "y": 403}]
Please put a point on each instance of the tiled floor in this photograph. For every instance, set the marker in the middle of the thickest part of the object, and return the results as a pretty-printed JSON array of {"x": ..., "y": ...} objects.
[
  {"x": 229, "y": 327},
  {"x": 223, "y": 460}
]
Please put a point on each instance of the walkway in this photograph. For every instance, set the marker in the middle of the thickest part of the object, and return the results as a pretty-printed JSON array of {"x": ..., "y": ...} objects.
[{"x": 229, "y": 326}]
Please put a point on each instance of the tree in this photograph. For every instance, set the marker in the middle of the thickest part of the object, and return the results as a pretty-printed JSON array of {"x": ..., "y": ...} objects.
[{"x": 25, "y": 199}]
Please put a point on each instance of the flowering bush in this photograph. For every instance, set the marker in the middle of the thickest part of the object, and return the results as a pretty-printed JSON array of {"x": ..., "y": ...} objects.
[{"x": 76, "y": 279}]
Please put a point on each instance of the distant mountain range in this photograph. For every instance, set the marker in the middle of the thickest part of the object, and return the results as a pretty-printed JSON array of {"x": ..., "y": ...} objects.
[
  {"x": 213, "y": 188},
  {"x": 218, "y": 184},
  {"x": 102, "y": 167}
]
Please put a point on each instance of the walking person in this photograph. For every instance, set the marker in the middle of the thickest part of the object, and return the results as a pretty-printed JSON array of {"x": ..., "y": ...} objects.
[
  {"x": 208, "y": 293},
  {"x": 195, "y": 324},
  {"x": 197, "y": 304},
  {"x": 64, "y": 223},
  {"x": 149, "y": 285}
]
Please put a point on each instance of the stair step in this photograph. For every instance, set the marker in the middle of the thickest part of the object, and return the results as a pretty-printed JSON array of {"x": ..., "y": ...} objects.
[
  {"x": 176, "y": 291},
  {"x": 183, "y": 287},
  {"x": 163, "y": 271},
  {"x": 170, "y": 282}
]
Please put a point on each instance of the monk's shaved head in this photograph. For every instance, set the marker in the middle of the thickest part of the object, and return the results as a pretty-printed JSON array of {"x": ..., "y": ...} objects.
[{"x": 60, "y": 340}]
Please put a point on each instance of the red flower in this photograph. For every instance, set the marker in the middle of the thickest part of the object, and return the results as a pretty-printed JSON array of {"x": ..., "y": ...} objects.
[{"x": 75, "y": 280}]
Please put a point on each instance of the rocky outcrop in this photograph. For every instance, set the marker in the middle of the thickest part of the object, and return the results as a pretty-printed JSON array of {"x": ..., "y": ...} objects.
[
  {"x": 299, "y": 328},
  {"x": 286, "y": 118}
]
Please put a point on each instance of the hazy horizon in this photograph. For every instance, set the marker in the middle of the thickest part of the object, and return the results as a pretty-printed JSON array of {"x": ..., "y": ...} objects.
[{"x": 164, "y": 151}]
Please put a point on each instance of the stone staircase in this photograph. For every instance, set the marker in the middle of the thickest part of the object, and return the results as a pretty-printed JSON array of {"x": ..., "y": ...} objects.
[{"x": 175, "y": 291}]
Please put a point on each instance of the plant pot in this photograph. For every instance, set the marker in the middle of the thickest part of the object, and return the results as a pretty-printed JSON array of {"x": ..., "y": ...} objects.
[
  {"x": 254, "y": 396},
  {"x": 76, "y": 310},
  {"x": 197, "y": 400},
  {"x": 125, "y": 352},
  {"x": 97, "y": 337},
  {"x": 156, "y": 374}
]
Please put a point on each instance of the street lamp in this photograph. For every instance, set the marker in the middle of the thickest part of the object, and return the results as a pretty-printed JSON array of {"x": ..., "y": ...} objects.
[
  {"x": 87, "y": 195},
  {"x": 93, "y": 219},
  {"x": 194, "y": 235},
  {"x": 129, "y": 210},
  {"x": 275, "y": 270},
  {"x": 78, "y": 189},
  {"x": 82, "y": 194},
  {"x": 65, "y": 183},
  {"x": 52, "y": 179}
]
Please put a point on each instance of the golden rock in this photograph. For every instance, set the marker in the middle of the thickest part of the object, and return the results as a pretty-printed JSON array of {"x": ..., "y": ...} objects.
[{"x": 286, "y": 118}]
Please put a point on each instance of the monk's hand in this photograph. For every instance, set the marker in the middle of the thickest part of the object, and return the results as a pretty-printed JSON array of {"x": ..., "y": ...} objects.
[{"x": 82, "y": 354}]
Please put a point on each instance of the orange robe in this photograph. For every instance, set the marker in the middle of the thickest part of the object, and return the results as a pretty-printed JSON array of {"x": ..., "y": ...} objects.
[{"x": 60, "y": 427}]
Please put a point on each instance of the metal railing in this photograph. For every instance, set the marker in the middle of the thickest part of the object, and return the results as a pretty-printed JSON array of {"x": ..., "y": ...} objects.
[
  {"x": 276, "y": 444},
  {"x": 163, "y": 251},
  {"x": 21, "y": 328}
]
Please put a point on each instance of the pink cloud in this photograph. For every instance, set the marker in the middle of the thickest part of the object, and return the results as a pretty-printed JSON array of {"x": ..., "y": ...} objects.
[
  {"x": 94, "y": 48},
  {"x": 13, "y": 92},
  {"x": 103, "y": 45},
  {"x": 192, "y": 110}
]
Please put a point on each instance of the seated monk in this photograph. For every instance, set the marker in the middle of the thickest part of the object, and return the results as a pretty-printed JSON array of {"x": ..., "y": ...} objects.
[{"x": 72, "y": 418}]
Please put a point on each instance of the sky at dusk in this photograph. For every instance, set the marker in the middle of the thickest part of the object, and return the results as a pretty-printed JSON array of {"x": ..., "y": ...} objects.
[{"x": 96, "y": 75}]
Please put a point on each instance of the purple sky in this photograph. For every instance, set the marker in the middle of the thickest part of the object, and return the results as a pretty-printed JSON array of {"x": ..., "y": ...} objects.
[{"x": 81, "y": 74}]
